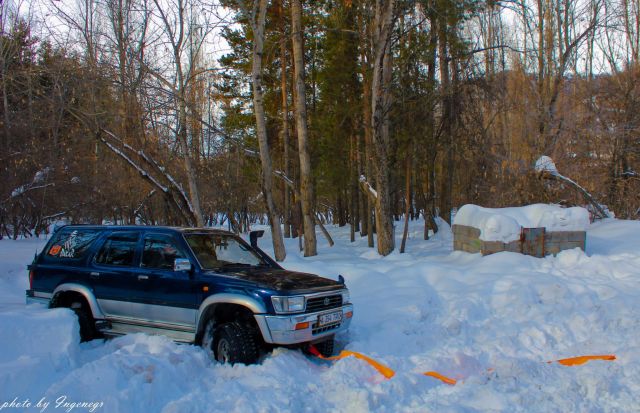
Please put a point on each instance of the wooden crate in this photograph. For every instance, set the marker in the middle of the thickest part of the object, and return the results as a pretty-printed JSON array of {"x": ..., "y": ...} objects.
[
  {"x": 533, "y": 241},
  {"x": 466, "y": 239},
  {"x": 556, "y": 241}
]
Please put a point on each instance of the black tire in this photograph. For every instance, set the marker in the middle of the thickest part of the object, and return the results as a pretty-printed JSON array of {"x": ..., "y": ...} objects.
[
  {"x": 326, "y": 347},
  {"x": 85, "y": 321},
  {"x": 236, "y": 343}
]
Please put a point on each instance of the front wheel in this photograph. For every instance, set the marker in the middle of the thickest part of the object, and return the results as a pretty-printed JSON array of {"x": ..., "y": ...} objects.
[
  {"x": 85, "y": 321},
  {"x": 326, "y": 348},
  {"x": 236, "y": 343}
]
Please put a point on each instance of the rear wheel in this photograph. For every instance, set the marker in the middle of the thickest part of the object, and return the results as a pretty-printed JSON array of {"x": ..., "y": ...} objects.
[{"x": 236, "y": 343}]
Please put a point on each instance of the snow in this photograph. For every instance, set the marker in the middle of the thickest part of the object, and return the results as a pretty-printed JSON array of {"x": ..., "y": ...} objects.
[
  {"x": 546, "y": 164},
  {"x": 372, "y": 192},
  {"x": 504, "y": 224},
  {"x": 38, "y": 178},
  {"x": 489, "y": 322}
]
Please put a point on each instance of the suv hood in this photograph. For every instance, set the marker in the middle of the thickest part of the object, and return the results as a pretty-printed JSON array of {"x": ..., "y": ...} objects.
[{"x": 282, "y": 280}]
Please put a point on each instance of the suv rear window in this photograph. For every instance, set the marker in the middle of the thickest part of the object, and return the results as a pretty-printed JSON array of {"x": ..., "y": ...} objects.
[
  {"x": 72, "y": 243},
  {"x": 118, "y": 249}
]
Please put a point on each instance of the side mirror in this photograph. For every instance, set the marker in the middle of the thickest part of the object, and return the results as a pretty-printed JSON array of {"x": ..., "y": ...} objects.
[
  {"x": 181, "y": 264},
  {"x": 253, "y": 237}
]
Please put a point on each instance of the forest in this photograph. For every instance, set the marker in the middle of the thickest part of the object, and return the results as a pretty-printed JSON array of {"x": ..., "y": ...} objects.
[{"x": 301, "y": 114}]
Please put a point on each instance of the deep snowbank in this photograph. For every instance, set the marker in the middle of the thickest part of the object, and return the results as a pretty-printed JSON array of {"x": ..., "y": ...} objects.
[{"x": 429, "y": 309}]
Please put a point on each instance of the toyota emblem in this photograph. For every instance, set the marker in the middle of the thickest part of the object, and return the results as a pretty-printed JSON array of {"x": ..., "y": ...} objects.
[{"x": 326, "y": 301}]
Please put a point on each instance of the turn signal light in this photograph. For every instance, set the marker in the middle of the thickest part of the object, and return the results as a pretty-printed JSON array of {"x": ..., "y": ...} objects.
[
  {"x": 302, "y": 326},
  {"x": 349, "y": 314}
]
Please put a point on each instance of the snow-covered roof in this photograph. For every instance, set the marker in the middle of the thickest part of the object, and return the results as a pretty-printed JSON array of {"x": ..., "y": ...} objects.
[{"x": 504, "y": 224}]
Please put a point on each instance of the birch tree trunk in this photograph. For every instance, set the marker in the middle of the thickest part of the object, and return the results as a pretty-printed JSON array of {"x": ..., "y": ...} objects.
[
  {"x": 257, "y": 24},
  {"x": 541, "y": 68},
  {"x": 306, "y": 183},
  {"x": 194, "y": 194}
]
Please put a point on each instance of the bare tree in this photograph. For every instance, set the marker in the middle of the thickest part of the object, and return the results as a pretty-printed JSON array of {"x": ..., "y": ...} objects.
[
  {"x": 306, "y": 179},
  {"x": 257, "y": 17},
  {"x": 179, "y": 32},
  {"x": 284, "y": 94},
  {"x": 127, "y": 40},
  {"x": 7, "y": 23},
  {"x": 380, "y": 105},
  {"x": 554, "y": 65}
]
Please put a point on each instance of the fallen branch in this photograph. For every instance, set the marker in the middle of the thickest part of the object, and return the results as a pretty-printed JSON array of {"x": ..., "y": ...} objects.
[
  {"x": 296, "y": 195},
  {"x": 178, "y": 197},
  {"x": 546, "y": 169},
  {"x": 146, "y": 198},
  {"x": 323, "y": 229}
]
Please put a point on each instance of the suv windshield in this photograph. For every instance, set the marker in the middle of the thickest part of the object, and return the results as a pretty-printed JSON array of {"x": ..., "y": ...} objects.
[{"x": 215, "y": 251}]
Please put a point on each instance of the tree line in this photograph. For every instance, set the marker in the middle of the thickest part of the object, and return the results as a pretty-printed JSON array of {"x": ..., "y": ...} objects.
[{"x": 306, "y": 113}]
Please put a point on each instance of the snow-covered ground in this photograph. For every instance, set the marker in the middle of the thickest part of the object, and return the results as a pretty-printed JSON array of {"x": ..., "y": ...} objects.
[{"x": 491, "y": 322}]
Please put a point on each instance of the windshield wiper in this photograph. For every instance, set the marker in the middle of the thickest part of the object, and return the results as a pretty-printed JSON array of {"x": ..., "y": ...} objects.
[{"x": 238, "y": 265}]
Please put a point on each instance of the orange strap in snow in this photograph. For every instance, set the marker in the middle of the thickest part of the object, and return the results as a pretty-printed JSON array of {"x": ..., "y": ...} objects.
[
  {"x": 442, "y": 378},
  {"x": 388, "y": 373},
  {"x": 576, "y": 361},
  {"x": 382, "y": 369},
  {"x": 573, "y": 361}
]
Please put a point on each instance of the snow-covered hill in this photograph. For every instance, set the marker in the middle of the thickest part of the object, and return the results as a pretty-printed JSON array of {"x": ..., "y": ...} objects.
[{"x": 490, "y": 322}]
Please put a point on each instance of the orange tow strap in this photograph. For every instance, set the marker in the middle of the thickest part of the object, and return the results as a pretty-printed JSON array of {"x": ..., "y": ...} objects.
[
  {"x": 442, "y": 378},
  {"x": 382, "y": 369},
  {"x": 388, "y": 373},
  {"x": 576, "y": 361}
]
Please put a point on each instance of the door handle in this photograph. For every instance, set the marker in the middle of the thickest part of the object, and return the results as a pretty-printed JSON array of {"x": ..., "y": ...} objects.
[
  {"x": 143, "y": 277},
  {"x": 94, "y": 274}
]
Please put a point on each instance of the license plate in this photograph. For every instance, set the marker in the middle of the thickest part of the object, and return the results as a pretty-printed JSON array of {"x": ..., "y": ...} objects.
[{"x": 329, "y": 318}]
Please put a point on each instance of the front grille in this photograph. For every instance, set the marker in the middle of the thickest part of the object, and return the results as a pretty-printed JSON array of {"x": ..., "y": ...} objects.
[{"x": 324, "y": 303}]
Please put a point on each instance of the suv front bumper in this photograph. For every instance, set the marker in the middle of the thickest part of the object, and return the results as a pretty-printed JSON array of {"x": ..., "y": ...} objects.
[{"x": 281, "y": 329}]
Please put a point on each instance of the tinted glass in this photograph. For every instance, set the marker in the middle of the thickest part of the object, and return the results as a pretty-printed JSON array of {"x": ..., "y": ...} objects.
[
  {"x": 216, "y": 251},
  {"x": 118, "y": 249},
  {"x": 72, "y": 243},
  {"x": 160, "y": 251}
]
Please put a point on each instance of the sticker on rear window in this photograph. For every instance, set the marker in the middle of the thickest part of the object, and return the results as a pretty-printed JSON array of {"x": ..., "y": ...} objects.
[
  {"x": 69, "y": 247},
  {"x": 72, "y": 244}
]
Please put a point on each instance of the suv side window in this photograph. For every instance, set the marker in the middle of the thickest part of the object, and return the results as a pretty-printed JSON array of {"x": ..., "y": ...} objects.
[
  {"x": 118, "y": 249},
  {"x": 160, "y": 251},
  {"x": 72, "y": 243}
]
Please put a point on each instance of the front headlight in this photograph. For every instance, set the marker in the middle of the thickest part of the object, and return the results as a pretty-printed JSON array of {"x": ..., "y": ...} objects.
[
  {"x": 346, "y": 298},
  {"x": 293, "y": 304}
]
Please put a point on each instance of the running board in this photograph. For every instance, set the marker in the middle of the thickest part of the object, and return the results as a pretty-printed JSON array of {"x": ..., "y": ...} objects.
[{"x": 116, "y": 328}]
